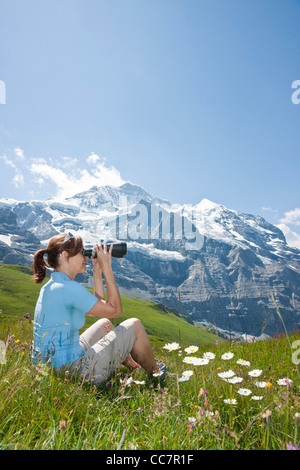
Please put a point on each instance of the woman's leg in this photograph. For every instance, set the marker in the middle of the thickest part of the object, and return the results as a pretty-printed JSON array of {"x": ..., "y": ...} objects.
[
  {"x": 142, "y": 351},
  {"x": 94, "y": 333},
  {"x": 116, "y": 347},
  {"x": 97, "y": 331}
]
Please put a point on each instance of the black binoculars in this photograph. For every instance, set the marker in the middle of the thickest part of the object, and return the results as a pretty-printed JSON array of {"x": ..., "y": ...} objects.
[{"x": 118, "y": 251}]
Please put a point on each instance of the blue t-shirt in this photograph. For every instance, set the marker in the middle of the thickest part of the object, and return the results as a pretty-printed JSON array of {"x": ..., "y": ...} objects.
[{"x": 59, "y": 314}]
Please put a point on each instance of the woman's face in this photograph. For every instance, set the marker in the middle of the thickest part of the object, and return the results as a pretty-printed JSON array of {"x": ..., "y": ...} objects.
[{"x": 78, "y": 263}]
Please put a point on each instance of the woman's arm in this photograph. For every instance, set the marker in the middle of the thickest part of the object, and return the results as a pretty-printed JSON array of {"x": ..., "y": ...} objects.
[
  {"x": 111, "y": 308},
  {"x": 98, "y": 281}
]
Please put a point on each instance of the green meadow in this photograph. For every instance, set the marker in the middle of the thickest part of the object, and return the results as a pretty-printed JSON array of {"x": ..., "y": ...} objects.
[
  {"x": 219, "y": 394},
  {"x": 18, "y": 295}
]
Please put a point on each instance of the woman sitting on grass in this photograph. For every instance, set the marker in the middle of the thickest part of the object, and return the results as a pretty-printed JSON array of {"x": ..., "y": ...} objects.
[{"x": 60, "y": 312}]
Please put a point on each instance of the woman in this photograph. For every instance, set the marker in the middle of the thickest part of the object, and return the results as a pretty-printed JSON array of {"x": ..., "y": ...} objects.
[{"x": 60, "y": 312}]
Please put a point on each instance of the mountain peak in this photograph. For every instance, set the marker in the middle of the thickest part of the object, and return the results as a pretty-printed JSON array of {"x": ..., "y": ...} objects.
[
  {"x": 206, "y": 204},
  {"x": 243, "y": 260}
]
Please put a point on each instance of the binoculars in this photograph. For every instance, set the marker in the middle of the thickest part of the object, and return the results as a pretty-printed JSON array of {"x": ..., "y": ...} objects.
[{"x": 118, "y": 251}]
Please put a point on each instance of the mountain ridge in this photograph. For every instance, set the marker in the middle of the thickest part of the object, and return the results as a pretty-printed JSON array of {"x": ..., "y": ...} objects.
[{"x": 217, "y": 265}]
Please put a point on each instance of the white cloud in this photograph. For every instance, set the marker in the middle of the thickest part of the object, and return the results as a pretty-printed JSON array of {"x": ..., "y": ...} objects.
[
  {"x": 291, "y": 217},
  {"x": 19, "y": 152},
  {"x": 55, "y": 174},
  {"x": 93, "y": 159},
  {"x": 292, "y": 238},
  {"x": 18, "y": 180},
  {"x": 78, "y": 180},
  {"x": 68, "y": 162},
  {"x": 7, "y": 161}
]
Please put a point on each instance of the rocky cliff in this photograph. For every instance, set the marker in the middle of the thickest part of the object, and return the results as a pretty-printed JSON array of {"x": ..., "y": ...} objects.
[{"x": 211, "y": 263}]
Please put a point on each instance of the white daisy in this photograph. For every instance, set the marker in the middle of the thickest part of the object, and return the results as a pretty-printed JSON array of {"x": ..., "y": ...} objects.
[
  {"x": 227, "y": 356},
  {"x": 235, "y": 380},
  {"x": 157, "y": 374},
  {"x": 189, "y": 360},
  {"x": 285, "y": 381},
  {"x": 209, "y": 355},
  {"x": 243, "y": 363},
  {"x": 255, "y": 373},
  {"x": 171, "y": 346},
  {"x": 191, "y": 349},
  {"x": 231, "y": 401},
  {"x": 261, "y": 384},
  {"x": 187, "y": 373},
  {"x": 198, "y": 361},
  {"x": 244, "y": 391},
  {"x": 184, "y": 378},
  {"x": 226, "y": 375},
  {"x": 192, "y": 420},
  {"x": 256, "y": 397},
  {"x": 127, "y": 381}
]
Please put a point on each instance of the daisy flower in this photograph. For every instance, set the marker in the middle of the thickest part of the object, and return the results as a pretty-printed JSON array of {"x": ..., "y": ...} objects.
[
  {"x": 243, "y": 363},
  {"x": 184, "y": 378},
  {"x": 235, "y": 380},
  {"x": 127, "y": 381},
  {"x": 244, "y": 391},
  {"x": 171, "y": 346},
  {"x": 226, "y": 375},
  {"x": 209, "y": 355},
  {"x": 256, "y": 397},
  {"x": 189, "y": 360},
  {"x": 255, "y": 373},
  {"x": 285, "y": 381},
  {"x": 227, "y": 356},
  {"x": 187, "y": 373},
  {"x": 157, "y": 374},
  {"x": 191, "y": 349},
  {"x": 192, "y": 422},
  {"x": 197, "y": 361},
  {"x": 231, "y": 401},
  {"x": 192, "y": 419},
  {"x": 261, "y": 384}
]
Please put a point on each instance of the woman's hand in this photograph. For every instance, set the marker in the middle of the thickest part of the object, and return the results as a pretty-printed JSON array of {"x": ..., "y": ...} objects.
[{"x": 103, "y": 260}]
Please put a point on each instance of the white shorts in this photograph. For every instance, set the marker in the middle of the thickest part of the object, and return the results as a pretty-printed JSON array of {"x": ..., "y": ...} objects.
[{"x": 103, "y": 352}]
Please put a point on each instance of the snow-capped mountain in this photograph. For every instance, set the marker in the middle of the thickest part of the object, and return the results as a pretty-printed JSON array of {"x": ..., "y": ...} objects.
[{"x": 211, "y": 263}]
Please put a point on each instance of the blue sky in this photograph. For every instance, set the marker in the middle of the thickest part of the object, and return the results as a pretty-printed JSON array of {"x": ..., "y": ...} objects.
[{"x": 189, "y": 99}]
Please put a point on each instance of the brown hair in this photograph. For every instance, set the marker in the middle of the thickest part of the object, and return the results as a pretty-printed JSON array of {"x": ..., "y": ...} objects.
[{"x": 49, "y": 257}]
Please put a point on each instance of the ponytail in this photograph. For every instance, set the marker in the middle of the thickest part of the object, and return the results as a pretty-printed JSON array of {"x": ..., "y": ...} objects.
[
  {"x": 56, "y": 246},
  {"x": 39, "y": 266}
]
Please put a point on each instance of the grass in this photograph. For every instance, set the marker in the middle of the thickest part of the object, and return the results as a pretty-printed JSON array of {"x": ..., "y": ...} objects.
[
  {"x": 17, "y": 291},
  {"x": 39, "y": 410}
]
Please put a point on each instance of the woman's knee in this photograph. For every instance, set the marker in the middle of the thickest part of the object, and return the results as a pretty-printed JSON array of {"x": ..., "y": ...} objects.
[
  {"x": 136, "y": 324},
  {"x": 105, "y": 324}
]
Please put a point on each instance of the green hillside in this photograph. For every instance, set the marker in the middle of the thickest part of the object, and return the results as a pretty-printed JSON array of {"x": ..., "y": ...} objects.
[
  {"x": 18, "y": 292},
  {"x": 244, "y": 396},
  {"x": 18, "y": 295}
]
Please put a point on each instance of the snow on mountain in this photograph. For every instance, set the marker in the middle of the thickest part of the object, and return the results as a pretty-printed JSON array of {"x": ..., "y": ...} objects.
[
  {"x": 227, "y": 265},
  {"x": 152, "y": 252}
]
